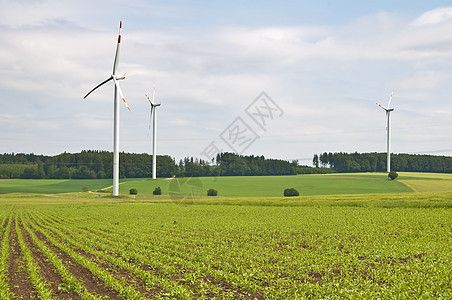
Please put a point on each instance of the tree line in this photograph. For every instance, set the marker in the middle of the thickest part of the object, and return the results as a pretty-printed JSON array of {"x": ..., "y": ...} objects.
[
  {"x": 376, "y": 162},
  {"x": 88, "y": 164},
  {"x": 93, "y": 164}
]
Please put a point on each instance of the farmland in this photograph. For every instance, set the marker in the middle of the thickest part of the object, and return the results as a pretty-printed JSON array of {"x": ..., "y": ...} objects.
[
  {"x": 247, "y": 186},
  {"x": 309, "y": 185},
  {"x": 272, "y": 186},
  {"x": 51, "y": 186},
  {"x": 380, "y": 245}
]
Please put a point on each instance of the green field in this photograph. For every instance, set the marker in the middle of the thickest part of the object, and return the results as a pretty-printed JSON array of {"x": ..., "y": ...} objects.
[
  {"x": 51, "y": 186},
  {"x": 270, "y": 186},
  {"x": 248, "y": 186},
  {"x": 349, "y": 236},
  {"x": 379, "y": 246},
  {"x": 308, "y": 185}
]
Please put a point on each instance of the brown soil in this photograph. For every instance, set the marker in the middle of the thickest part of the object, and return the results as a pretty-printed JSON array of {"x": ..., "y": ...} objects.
[
  {"x": 91, "y": 282},
  {"x": 226, "y": 287},
  {"x": 118, "y": 273},
  {"x": 20, "y": 284},
  {"x": 47, "y": 271},
  {"x": 23, "y": 289}
]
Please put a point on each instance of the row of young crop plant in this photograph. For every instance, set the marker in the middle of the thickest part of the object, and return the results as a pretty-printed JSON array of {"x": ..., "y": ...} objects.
[
  {"x": 5, "y": 291},
  {"x": 329, "y": 251},
  {"x": 29, "y": 264},
  {"x": 155, "y": 268},
  {"x": 179, "y": 274},
  {"x": 118, "y": 284},
  {"x": 203, "y": 270},
  {"x": 228, "y": 252},
  {"x": 89, "y": 244},
  {"x": 23, "y": 225}
]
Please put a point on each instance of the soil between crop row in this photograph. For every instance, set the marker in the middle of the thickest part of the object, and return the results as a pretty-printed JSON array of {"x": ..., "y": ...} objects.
[{"x": 22, "y": 287}]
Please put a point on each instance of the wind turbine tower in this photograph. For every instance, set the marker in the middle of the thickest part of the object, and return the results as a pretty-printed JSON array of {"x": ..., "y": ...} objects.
[
  {"x": 388, "y": 110},
  {"x": 115, "y": 77},
  {"x": 154, "y": 133}
]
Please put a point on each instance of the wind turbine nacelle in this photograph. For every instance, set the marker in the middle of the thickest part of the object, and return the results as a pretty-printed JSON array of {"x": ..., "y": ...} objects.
[
  {"x": 120, "y": 77},
  {"x": 390, "y": 109}
]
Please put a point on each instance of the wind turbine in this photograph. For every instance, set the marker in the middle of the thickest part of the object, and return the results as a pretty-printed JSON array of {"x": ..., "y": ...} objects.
[
  {"x": 115, "y": 77},
  {"x": 388, "y": 130},
  {"x": 154, "y": 133}
]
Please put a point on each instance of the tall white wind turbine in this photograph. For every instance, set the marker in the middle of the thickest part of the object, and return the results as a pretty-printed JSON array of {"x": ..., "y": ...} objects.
[
  {"x": 154, "y": 133},
  {"x": 388, "y": 110},
  {"x": 115, "y": 77}
]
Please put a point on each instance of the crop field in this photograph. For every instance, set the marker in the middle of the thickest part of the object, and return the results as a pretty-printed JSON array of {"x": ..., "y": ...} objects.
[
  {"x": 375, "y": 246},
  {"x": 419, "y": 182},
  {"x": 59, "y": 243}
]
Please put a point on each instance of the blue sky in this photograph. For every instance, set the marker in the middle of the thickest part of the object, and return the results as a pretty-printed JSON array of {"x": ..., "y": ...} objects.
[{"x": 323, "y": 63}]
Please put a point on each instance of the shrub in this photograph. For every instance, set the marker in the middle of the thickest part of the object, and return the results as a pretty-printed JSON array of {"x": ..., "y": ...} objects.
[
  {"x": 133, "y": 191},
  {"x": 392, "y": 175},
  {"x": 85, "y": 189},
  {"x": 291, "y": 192},
  {"x": 157, "y": 191},
  {"x": 212, "y": 192}
]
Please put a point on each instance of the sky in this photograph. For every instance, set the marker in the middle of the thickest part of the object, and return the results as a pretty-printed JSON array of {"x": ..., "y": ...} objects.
[{"x": 283, "y": 79}]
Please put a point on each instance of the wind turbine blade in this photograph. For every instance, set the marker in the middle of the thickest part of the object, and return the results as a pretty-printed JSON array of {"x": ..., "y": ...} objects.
[
  {"x": 150, "y": 118},
  {"x": 103, "y": 82},
  {"x": 115, "y": 64},
  {"x": 387, "y": 115},
  {"x": 150, "y": 101},
  {"x": 382, "y": 106},
  {"x": 390, "y": 98},
  {"x": 153, "y": 95},
  {"x": 120, "y": 93}
]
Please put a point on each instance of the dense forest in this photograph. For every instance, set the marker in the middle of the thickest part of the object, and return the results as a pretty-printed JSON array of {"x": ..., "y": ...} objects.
[
  {"x": 376, "y": 162},
  {"x": 98, "y": 164}
]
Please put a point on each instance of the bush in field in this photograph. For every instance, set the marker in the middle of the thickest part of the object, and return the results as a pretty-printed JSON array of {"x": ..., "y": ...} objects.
[
  {"x": 133, "y": 191},
  {"x": 291, "y": 192},
  {"x": 85, "y": 189},
  {"x": 212, "y": 192},
  {"x": 392, "y": 175},
  {"x": 157, "y": 191}
]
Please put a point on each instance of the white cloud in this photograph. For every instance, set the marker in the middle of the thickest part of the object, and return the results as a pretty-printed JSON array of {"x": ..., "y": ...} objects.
[
  {"x": 435, "y": 16},
  {"x": 425, "y": 80},
  {"x": 93, "y": 122},
  {"x": 207, "y": 77}
]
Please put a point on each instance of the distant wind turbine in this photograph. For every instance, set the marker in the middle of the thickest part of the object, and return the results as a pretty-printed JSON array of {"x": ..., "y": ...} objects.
[
  {"x": 115, "y": 79},
  {"x": 388, "y": 110},
  {"x": 154, "y": 132}
]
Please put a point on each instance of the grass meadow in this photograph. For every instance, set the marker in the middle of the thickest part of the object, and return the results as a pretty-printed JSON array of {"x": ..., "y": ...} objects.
[
  {"x": 52, "y": 186},
  {"x": 270, "y": 186},
  {"x": 246, "y": 186},
  {"x": 307, "y": 185}
]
